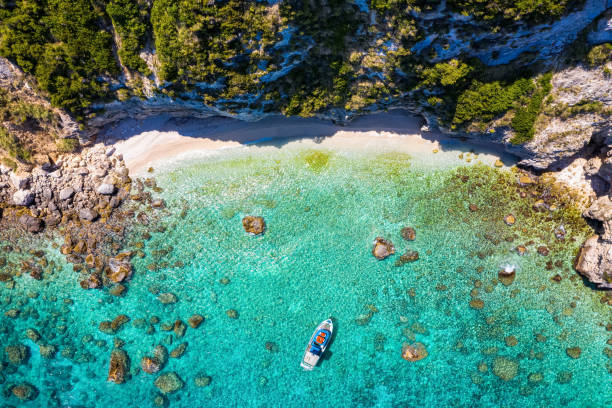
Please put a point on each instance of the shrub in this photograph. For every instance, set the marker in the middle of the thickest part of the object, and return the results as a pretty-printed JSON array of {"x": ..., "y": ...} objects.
[
  {"x": 525, "y": 116},
  {"x": 13, "y": 146},
  {"x": 483, "y": 101},
  {"x": 67, "y": 145},
  {"x": 599, "y": 54}
]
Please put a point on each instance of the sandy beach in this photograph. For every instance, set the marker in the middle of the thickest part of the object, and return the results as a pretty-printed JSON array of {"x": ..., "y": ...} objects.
[{"x": 160, "y": 139}]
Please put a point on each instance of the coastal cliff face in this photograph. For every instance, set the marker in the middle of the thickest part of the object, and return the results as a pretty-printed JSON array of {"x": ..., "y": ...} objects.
[{"x": 534, "y": 78}]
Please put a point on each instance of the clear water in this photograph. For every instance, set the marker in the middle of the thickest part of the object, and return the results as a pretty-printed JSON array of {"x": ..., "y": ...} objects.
[{"x": 323, "y": 208}]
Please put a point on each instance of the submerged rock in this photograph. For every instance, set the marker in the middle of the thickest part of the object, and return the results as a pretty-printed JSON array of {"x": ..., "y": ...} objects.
[
  {"x": 17, "y": 354},
  {"x": 505, "y": 368},
  {"x": 195, "y": 321},
  {"x": 509, "y": 219},
  {"x": 573, "y": 352},
  {"x": 382, "y": 248},
  {"x": 414, "y": 352},
  {"x": 254, "y": 225},
  {"x": 169, "y": 382},
  {"x": 47, "y": 351},
  {"x": 506, "y": 275},
  {"x": 161, "y": 354},
  {"x": 179, "y": 350},
  {"x": 202, "y": 380},
  {"x": 232, "y": 313},
  {"x": 408, "y": 233},
  {"x": 25, "y": 392},
  {"x": 408, "y": 256},
  {"x": 150, "y": 365},
  {"x": 167, "y": 298},
  {"x": 119, "y": 366}
]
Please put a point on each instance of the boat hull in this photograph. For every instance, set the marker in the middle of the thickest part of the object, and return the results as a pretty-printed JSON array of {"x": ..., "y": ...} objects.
[{"x": 310, "y": 359}]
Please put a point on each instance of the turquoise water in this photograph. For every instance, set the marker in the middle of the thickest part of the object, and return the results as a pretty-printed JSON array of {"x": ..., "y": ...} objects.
[{"x": 323, "y": 208}]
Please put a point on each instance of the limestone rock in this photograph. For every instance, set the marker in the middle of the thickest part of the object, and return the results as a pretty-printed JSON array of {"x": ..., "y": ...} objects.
[
  {"x": 106, "y": 189},
  {"x": 20, "y": 181},
  {"x": 382, "y": 248},
  {"x": 88, "y": 214},
  {"x": 23, "y": 197},
  {"x": 254, "y": 225},
  {"x": 594, "y": 262},
  {"x": 169, "y": 382},
  {"x": 66, "y": 193}
]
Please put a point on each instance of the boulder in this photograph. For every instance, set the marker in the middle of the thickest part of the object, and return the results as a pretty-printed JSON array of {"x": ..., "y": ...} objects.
[
  {"x": 195, "y": 321},
  {"x": 160, "y": 353},
  {"x": 105, "y": 189},
  {"x": 31, "y": 224},
  {"x": 23, "y": 197},
  {"x": 254, "y": 225},
  {"x": 594, "y": 262},
  {"x": 168, "y": 383},
  {"x": 414, "y": 352},
  {"x": 66, "y": 193},
  {"x": 119, "y": 269},
  {"x": 88, "y": 214},
  {"x": 382, "y": 248},
  {"x": 150, "y": 365},
  {"x": 506, "y": 275},
  {"x": 20, "y": 181},
  {"x": 119, "y": 366}
]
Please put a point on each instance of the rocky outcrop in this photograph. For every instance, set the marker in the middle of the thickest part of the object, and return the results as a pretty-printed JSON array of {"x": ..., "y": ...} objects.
[
  {"x": 119, "y": 366},
  {"x": 382, "y": 248},
  {"x": 254, "y": 225}
]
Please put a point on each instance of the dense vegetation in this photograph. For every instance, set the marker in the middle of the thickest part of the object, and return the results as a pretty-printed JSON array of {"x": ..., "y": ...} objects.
[
  {"x": 299, "y": 57},
  {"x": 531, "y": 10},
  {"x": 129, "y": 19},
  {"x": 63, "y": 44},
  {"x": 525, "y": 117}
]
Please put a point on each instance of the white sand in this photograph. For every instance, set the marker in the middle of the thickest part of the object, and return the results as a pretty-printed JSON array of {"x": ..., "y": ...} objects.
[{"x": 161, "y": 139}]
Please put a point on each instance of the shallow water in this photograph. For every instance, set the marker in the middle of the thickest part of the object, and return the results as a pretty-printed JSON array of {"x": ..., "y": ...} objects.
[{"x": 323, "y": 208}]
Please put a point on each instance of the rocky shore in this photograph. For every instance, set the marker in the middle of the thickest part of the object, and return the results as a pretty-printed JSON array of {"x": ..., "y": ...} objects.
[{"x": 84, "y": 199}]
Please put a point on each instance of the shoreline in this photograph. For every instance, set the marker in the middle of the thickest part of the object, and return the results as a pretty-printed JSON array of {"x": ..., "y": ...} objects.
[{"x": 164, "y": 139}]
